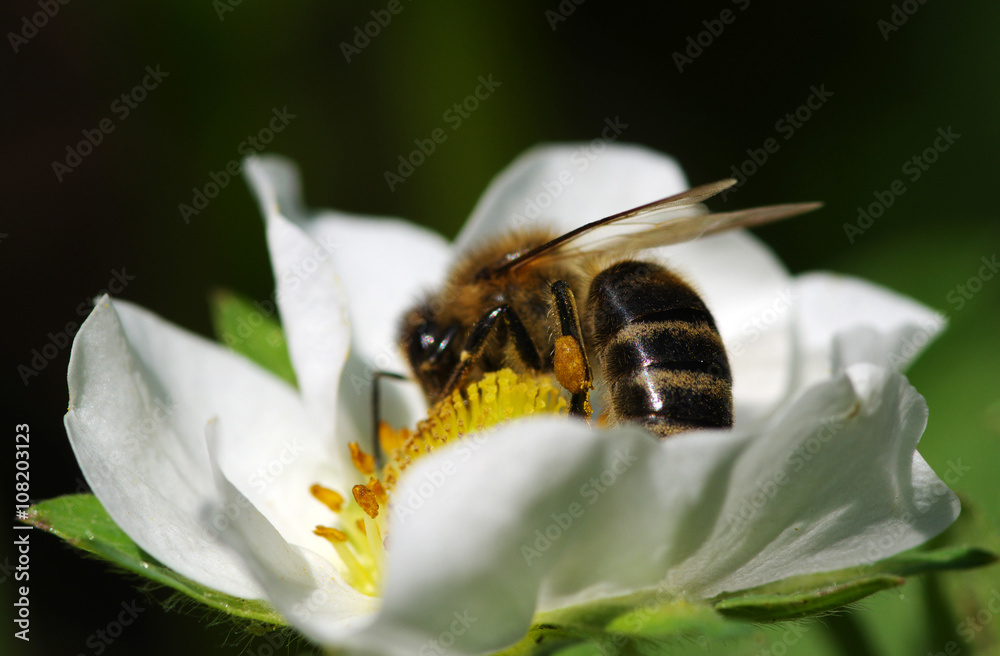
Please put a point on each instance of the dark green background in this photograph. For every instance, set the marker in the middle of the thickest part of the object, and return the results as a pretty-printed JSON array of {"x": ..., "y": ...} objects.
[{"x": 118, "y": 208}]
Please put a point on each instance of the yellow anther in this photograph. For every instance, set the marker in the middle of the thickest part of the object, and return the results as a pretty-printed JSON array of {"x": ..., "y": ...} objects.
[
  {"x": 331, "y": 534},
  {"x": 361, "y": 541},
  {"x": 329, "y": 498},
  {"x": 375, "y": 486},
  {"x": 362, "y": 461},
  {"x": 366, "y": 499},
  {"x": 389, "y": 439}
]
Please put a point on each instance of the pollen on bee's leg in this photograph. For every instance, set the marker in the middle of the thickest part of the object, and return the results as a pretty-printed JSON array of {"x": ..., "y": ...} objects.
[
  {"x": 570, "y": 365},
  {"x": 329, "y": 498}
]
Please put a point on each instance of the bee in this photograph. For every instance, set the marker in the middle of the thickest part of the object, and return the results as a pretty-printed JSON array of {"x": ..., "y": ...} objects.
[{"x": 513, "y": 303}]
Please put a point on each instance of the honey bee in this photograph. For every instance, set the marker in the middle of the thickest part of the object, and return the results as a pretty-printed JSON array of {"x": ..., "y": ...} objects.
[{"x": 512, "y": 303}]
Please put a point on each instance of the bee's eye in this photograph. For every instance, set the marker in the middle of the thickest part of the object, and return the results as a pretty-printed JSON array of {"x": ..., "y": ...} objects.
[
  {"x": 426, "y": 339},
  {"x": 442, "y": 344},
  {"x": 428, "y": 343},
  {"x": 422, "y": 341}
]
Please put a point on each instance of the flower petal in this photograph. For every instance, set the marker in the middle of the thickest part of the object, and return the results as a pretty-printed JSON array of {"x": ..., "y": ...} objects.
[
  {"x": 834, "y": 482},
  {"x": 888, "y": 329},
  {"x": 566, "y": 186},
  {"x": 302, "y": 585},
  {"x": 548, "y": 513},
  {"x": 310, "y": 299},
  {"x": 141, "y": 391},
  {"x": 383, "y": 265}
]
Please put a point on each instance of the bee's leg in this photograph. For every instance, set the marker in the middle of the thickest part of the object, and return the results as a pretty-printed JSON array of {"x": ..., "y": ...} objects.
[
  {"x": 376, "y": 412},
  {"x": 571, "y": 366},
  {"x": 477, "y": 340}
]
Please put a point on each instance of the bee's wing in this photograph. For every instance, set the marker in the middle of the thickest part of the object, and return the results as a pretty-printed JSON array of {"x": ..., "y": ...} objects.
[
  {"x": 636, "y": 220},
  {"x": 664, "y": 228},
  {"x": 670, "y": 220}
]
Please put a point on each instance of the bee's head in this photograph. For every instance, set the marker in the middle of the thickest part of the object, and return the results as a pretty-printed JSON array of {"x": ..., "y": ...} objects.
[{"x": 431, "y": 348}]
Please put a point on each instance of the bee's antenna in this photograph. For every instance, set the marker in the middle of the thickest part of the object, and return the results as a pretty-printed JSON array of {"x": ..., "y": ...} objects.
[{"x": 377, "y": 415}]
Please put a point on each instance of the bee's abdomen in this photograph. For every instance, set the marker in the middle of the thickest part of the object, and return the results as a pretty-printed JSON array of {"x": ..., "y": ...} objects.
[{"x": 662, "y": 358}]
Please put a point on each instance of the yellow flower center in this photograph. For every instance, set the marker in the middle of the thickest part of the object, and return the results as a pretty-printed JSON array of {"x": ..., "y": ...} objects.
[{"x": 362, "y": 531}]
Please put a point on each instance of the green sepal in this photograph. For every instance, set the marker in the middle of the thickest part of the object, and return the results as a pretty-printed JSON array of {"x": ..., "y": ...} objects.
[
  {"x": 648, "y": 622},
  {"x": 252, "y": 331},
  {"x": 645, "y": 623},
  {"x": 81, "y": 520},
  {"x": 796, "y": 605},
  {"x": 812, "y": 594}
]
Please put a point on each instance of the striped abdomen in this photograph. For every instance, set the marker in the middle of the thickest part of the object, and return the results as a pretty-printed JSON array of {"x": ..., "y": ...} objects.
[{"x": 661, "y": 355}]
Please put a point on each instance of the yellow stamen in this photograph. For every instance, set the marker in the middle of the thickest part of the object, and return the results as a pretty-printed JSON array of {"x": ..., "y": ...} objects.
[
  {"x": 331, "y": 534},
  {"x": 361, "y": 541},
  {"x": 356, "y": 574},
  {"x": 327, "y": 497},
  {"x": 389, "y": 439},
  {"x": 366, "y": 499},
  {"x": 375, "y": 540},
  {"x": 362, "y": 461},
  {"x": 375, "y": 487}
]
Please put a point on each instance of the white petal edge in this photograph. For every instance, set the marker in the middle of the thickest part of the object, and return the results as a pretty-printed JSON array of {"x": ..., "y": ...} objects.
[
  {"x": 273, "y": 451},
  {"x": 141, "y": 391},
  {"x": 562, "y": 187},
  {"x": 313, "y": 314},
  {"x": 669, "y": 511},
  {"x": 383, "y": 265},
  {"x": 386, "y": 266},
  {"x": 843, "y": 320}
]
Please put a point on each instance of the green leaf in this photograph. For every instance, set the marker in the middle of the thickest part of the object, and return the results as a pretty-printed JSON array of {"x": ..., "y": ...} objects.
[
  {"x": 81, "y": 520},
  {"x": 252, "y": 330}
]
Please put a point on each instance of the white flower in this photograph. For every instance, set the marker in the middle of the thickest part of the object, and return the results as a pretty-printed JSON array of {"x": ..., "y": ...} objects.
[{"x": 820, "y": 471}]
